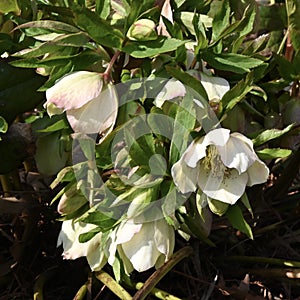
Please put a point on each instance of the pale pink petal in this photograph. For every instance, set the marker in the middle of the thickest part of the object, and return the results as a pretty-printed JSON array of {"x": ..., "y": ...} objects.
[
  {"x": 98, "y": 115},
  {"x": 75, "y": 90}
]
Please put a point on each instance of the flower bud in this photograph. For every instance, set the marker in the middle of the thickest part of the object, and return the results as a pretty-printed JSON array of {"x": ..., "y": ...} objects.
[
  {"x": 142, "y": 30},
  {"x": 217, "y": 207}
]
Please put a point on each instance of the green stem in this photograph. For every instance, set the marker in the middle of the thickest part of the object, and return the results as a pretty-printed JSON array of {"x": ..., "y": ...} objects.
[
  {"x": 266, "y": 260},
  {"x": 6, "y": 184},
  {"x": 153, "y": 280},
  {"x": 81, "y": 293},
  {"x": 160, "y": 294},
  {"x": 107, "y": 280}
]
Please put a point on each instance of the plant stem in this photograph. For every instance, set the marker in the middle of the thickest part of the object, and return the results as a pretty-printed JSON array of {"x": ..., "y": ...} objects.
[
  {"x": 153, "y": 280},
  {"x": 106, "y": 74},
  {"x": 107, "y": 280},
  {"x": 160, "y": 294}
]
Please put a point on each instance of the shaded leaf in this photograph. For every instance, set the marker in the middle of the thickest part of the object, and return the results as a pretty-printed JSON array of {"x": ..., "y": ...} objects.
[{"x": 272, "y": 153}]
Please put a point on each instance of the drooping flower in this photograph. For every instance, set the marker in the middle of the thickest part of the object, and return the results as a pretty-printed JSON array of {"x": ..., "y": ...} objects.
[
  {"x": 221, "y": 165},
  {"x": 73, "y": 249},
  {"x": 215, "y": 87},
  {"x": 142, "y": 246},
  {"x": 91, "y": 105}
]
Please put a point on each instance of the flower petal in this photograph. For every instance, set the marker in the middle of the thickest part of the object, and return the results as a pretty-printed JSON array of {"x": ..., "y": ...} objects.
[
  {"x": 75, "y": 90},
  {"x": 237, "y": 154},
  {"x": 172, "y": 89},
  {"x": 215, "y": 87},
  {"x": 126, "y": 231},
  {"x": 195, "y": 151},
  {"x": 184, "y": 177},
  {"x": 227, "y": 188},
  {"x": 164, "y": 237},
  {"x": 257, "y": 173},
  {"x": 141, "y": 249},
  {"x": 96, "y": 116}
]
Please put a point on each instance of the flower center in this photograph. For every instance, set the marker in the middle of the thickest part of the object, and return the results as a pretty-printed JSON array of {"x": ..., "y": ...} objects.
[{"x": 213, "y": 163}]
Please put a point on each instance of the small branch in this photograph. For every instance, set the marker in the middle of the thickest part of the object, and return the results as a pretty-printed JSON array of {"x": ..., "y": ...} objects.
[
  {"x": 106, "y": 74},
  {"x": 154, "y": 279},
  {"x": 118, "y": 290}
]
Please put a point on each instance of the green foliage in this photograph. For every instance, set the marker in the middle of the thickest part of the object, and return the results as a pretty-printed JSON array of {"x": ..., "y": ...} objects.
[{"x": 126, "y": 169}]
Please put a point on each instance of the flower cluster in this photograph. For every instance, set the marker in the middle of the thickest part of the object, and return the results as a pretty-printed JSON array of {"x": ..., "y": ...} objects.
[{"x": 218, "y": 164}]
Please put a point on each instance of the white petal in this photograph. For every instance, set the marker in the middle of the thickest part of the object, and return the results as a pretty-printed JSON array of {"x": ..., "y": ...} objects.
[
  {"x": 172, "y": 89},
  {"x": 126, "y": 231},
  {"x": 195, "y": 151},
  {"x": 237, "y": 154},
  {"x": 228, "y": 188},
  {"x": 184, "y": 177},
  {"x": 218, "y": 137},
  {"x": 215, "y": 87},
  {"x": 257, "y": 173},
  {"x": 75, "y": 90},
  {"x": 69, "y": 237},
  {"x": 164, "y": 237},
  {"x": 98, "y": 115},
  {"x": 95, "y": 255},
  {"x": 141, "y": 249}
]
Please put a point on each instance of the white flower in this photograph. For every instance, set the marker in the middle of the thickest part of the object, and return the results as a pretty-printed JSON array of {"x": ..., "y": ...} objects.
[
  {"x": 221, "y": 165},
  {"x": 143, "y": 245},
  {"x": 91, "y": 106},
  {"x": 215, "y": 87},
  {"x": 69, "y": 238}
]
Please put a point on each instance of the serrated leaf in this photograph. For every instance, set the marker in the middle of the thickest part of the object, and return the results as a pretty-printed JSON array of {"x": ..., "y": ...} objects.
[
  {"x": 232, "y": 62},
  {"x": 236, "y": 219},
  {"x": 98, "y": 29},
  {"x": 272, "y": 153},
  {"x": 270, "y": 134},
  {"x": 221, "y": 20},
  {"x": 144, "y": 49},
  {"x": 237, "y": 93},
  {"x": 50, "y": 26}
]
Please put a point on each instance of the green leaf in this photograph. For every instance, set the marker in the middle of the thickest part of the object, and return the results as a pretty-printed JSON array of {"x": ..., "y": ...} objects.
[
  {"x": 59, "y": 125},
  {"x": 98, "y": 29},
  {"x": 270, "y": 134},
  {"x": 103, "y": 220},
  {"x": 85, "y": 237},
  {"x": 293, "y": 13},
  {"x": 247, "y": 204},
  {"x": 184, "y": 123},
  {"x": 221, "y": 20},
  {"x": 49, "y": 26},
  {"x": 256, "y": 45},
  {"x": 236, "y": 219},
  {"x": 287, "y": 69},
  {"x": 151, "y": 48},
  {"x": 232, "y": 62},
  {"x": 272, "y": 153},
  {"x": 237, "y": 93},
  {"x": 188, "y": 80},
  {"x": 103, "y": 8},
  {"x": 7, "y": 6},
  {"x": 3, "y": 125}
]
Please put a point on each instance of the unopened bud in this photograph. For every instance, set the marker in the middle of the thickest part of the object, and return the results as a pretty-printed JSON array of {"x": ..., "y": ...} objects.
[{"x": 142, "y": 30}]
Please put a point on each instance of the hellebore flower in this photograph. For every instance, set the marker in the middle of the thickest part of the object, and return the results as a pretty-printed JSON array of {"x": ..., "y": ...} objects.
[
  {"x": 221, "y": 165},
  {"x": 69, "y": 239},
  {"x": 91, "y": 105},
  {"x": 143, "y": 245},
  {"x": 215, "y": 87},
  {"x": 142, "y": 30}
]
